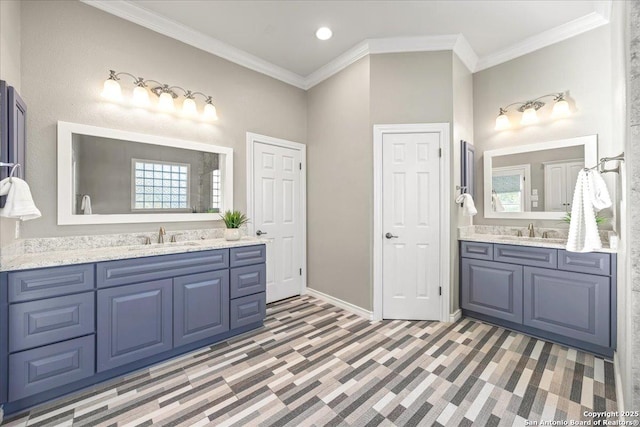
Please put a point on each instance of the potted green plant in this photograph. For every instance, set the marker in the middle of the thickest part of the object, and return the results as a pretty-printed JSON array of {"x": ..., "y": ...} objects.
[
  {"x": 599, "y": 219},
  {"x": 233, "y": 220}
]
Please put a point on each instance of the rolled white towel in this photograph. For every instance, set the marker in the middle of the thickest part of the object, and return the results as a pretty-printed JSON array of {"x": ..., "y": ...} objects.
[
  {"x": 497, "y": 204},
  {"x": 86, "y": 205},
  {"x": 19, "y": 203},
  {"x": 468, "y": 206}
]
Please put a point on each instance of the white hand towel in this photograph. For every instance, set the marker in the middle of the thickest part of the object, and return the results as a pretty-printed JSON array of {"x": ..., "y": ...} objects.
[
  {"x": 497, "y": 204},
  {"x": 86, "y": 205},
  {"x": 469, "y": 207},
  {"x": 19, "y": 203},
  {"x": 590, "y": 196}
]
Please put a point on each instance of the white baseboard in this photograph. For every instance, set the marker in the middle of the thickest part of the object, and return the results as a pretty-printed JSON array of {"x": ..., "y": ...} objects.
[
  {"x": 455, "y": 316},
  {"x": 618, "y": 378},
  {"x": 340, "y": 303}
]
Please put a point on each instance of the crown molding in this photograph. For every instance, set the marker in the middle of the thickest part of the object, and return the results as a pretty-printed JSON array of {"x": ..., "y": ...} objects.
[
  {"x": 457, "y": 43},
  {"x": 338, "y": 64},
  {"x": 546, "y": 38},
  {"x": 465, "y": 52},
  {"x": 175, "y": 30}
]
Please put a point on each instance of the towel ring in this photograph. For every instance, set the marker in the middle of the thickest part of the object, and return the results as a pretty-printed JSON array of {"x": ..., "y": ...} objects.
[{"x": 13, "y": 169}]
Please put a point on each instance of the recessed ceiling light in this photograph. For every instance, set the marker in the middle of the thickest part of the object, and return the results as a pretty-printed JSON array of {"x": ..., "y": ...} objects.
[{"x": 324, "y": 33}]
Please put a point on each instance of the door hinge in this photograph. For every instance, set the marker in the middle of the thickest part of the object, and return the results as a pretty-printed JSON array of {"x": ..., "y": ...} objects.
[
  {"x": 300, "y": 165},
  {"x": 301, "y": 272},
  {"x": 439, "y": 152},
  {"x": 440, "y": 291}
]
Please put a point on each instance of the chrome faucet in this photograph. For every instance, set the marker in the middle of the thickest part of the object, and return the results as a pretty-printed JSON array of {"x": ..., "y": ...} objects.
[
  {"x": 531, "y": 232},
  {"x": 545, "y": 235},
  {"x": 161, "y": 235},
  {"x": 519, "y": 233}
]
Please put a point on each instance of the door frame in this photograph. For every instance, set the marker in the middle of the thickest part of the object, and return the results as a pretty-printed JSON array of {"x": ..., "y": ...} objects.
[
  {"x": 252, "y": 139},
  {"x": 445, "y": 210}
]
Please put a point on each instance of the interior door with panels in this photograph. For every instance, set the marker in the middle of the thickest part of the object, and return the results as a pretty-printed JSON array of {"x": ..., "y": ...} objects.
[
  {"x": 278, "y": 218},
  {"x": 411, "y": 223}
]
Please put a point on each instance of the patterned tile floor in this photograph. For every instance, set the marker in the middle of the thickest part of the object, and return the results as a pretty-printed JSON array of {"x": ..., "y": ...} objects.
[{"x": 315, "y": 364}]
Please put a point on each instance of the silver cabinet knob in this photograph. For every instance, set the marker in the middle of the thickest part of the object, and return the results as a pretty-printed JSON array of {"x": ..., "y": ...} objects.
[
  {"x": 390, "y": 236},
  {"x": 260, "y": 233}
]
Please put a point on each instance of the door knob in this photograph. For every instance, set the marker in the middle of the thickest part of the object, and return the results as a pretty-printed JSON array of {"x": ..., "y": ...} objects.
[
  {"x": 260, "y": 233},
  {"x": 390, "y": 236}
]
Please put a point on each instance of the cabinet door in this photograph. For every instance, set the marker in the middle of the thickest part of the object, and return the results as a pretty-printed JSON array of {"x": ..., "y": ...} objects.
[
  {"x": 571, "y": 304},
  {"x": 134, "y": 322},
  {"x": 201, "y": 306},
  {"x": 492, "y": 288}
]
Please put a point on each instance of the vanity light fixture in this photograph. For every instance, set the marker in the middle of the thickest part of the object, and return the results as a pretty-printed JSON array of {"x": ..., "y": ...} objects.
[
  {"x": 166, "y": 95},
  {"x": 529, "y": 110}
]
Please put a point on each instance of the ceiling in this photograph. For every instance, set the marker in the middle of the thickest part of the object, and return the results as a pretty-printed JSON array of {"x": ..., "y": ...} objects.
[{"x": 280, "y": 35}]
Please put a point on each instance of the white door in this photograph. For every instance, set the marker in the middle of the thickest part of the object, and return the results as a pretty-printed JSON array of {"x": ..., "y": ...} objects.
[
  {"x": 555, "y": 189},
  {"x": 411, "y": 225},
  {"x": 278, "y": 216}
]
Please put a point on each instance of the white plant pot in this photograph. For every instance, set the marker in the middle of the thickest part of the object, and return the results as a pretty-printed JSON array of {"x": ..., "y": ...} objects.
[{"x": 232, "y": 234}]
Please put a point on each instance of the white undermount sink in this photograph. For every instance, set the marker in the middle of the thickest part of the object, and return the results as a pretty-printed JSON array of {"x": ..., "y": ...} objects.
[{"x": 164, "y": 246}]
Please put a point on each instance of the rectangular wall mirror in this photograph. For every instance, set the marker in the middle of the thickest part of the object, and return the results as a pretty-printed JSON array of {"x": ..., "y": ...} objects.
[
  {"x": 535, "y": 181},
  {"x": 107, "y": 176}
]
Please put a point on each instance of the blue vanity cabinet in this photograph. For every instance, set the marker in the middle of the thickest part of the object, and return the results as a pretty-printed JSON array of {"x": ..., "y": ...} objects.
[
  {"x": 566, "y": 297},
  {"x": 134, "y": 322},
  {"x": 492, "y": 288},
  {"x": 200, "y": 306},
  {"x": 248, "y": 285},
  {"x": 567, "y": 303},
  {"x": 69, "y": 327}
]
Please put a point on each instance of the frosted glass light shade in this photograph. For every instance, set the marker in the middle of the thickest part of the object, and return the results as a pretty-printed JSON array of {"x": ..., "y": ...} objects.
[
  {"x": 140, "y": 96},
  {"x": 529, "y": 116},
  {"x": 560, "y": 109},
  {"x": 502, "y": 122},
  {"x": 210, "y": 112},
  {"x": 189, "y": 107},
  {"x": 165, "y": 103},
  {"x": 111, "y": 90}
]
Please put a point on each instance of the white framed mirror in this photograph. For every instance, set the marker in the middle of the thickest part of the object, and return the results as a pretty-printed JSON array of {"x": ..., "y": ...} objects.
[
  {"x": 109, "y": 176},
  {"x": 535, "y": 181}
]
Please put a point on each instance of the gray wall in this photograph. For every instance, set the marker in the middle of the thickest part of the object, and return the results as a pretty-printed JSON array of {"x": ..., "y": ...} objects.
[
  {"x": 10, "y": 72},
  {"x": 580, "y": 65},
  {"x": 68, "y": 48},
  {"x": 339, "y": 186},
  {"x": 462, "y": 130},
  {"x": 379, "y": 89}
]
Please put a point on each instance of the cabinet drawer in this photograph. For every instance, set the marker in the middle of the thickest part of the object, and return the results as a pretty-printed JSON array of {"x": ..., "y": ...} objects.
[
  {"x": 50, "y": 282},
  {"x": 134, "y": 270},
  {"x": 526, "y": 255},
  {"x": 248, "y": 280},
  {"x": 41, "y": 322},
  {"x": 248, "y": 255},
  {"x": 477, "y": 250},
  {"x": 570, "y": 304},
  {"x": 492, "y": 288},
  {"x": 248, "y": 310},
  {"x": 45, "y": 368},
  {"x": 595, "y": 263}
]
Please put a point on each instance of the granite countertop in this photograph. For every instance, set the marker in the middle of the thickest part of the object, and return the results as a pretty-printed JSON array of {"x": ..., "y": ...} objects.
[
  {"x": 526, "y": 241},
  {"x": 82, "y": 256},
  {"x": 507, "y": 235}
]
